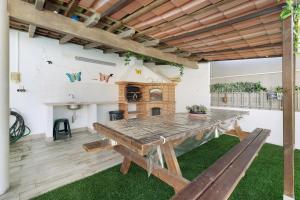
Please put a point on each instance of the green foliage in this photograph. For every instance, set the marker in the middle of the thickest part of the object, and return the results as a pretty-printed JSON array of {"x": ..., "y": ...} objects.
[
  {"x": 279, "y": 89},
  {"x": 197, "y": 109},
  {"x": 130, "y": 54},
  {"x": 291, "y": 9},
  {"x": 237, "y": 87}
]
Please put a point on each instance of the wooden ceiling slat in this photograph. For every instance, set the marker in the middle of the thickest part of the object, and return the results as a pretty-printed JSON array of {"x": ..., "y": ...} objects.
[
  {"x": 137, "y": 14},
  {"x": 228, "y": 23},
  {"x": 222, "y": 25}
]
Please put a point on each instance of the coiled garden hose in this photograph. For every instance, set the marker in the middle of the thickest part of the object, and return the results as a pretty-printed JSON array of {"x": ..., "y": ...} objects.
[{"x": 18, "y": 129}]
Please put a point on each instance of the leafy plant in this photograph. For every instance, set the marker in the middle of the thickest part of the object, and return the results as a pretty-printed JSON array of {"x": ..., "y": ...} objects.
[
  {"x": 291, "y": 9},
  {"x": 130, "y": 54},
  {"x": 279, "y": 89},
  {"x": 237, "y": 87},
  {"x": 199, "y": 109}
]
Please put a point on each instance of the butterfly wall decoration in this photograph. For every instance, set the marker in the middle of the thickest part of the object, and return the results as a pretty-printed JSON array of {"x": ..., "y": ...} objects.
[
  {"x": 104, "y": 77},
  {"x": 74, "y": 77},
  {"x": 138, "y": 71}
]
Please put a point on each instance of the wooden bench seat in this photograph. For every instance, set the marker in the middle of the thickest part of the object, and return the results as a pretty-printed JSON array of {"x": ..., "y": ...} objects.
[
  {"x": 97, "y": 146},
  {"x": 219, "y": 180}
]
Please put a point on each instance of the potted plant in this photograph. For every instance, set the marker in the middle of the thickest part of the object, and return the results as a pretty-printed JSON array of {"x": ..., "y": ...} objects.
[{"x": 197, "y": 109}]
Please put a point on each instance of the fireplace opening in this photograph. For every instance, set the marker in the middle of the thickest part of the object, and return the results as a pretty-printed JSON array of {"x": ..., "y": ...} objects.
[
  {"x": 155, "y": 111},
  {"x": 156, "y": 94},
  {"x": 133, "y": 93}
]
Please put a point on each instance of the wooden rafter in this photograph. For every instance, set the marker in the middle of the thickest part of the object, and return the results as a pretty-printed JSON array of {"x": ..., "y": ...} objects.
[
  {"x": 247, "y": 48},
  {"x": 91, "y": 45},
  {"x": 108, "y": 51},
  {"x": 151, "y": 43},
  {"x": 66, "y": 39},
  {"x": 39, "y": 4},
  {"x": 25, "y": 12},
  {"x": 127, "y": 34},
  {"x": 92, "y": 20},
  {"x": 169, "y": 50},
  {"x": 184, "y": 54},
  {"x": 71, "y": 8},
  {"x": 31, "y": 30},
  {"x": 120, "y": 4}
]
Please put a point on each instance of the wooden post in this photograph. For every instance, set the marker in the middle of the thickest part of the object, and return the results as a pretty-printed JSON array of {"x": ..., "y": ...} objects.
[{"x": 288, "y": 83}]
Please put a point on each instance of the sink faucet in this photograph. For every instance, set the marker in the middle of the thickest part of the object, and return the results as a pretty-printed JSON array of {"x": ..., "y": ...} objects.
[{"x": 72, "y": 96}]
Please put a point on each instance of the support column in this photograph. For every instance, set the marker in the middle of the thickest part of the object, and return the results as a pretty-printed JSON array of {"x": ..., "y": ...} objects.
[
  {"x": 4, "y": 97},
  {"x": 288, "y": 83}
]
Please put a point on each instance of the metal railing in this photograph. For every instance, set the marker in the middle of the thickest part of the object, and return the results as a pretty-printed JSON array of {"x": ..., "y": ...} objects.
[{"x": 260, "y": 100}]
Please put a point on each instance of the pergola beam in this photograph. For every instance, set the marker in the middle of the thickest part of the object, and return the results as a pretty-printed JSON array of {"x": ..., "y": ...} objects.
[
  {"x": 91, "y": 45},
  {"x": 31, "y": 30},
  {"x": 213, "y": 53},
  {"x": 71, "y": 8},
  {"x": 66, "y": 39},
  {"x": 92, "y": 20},
  {"x": 127, "y": 34},
  {"x": 169, "y": 50},
  {"x": 118, "y": 6},
  {"x": 107, "y": 51},
  {"x": 184, "y": 54},
  {"x": 151, "y": 43},
  {"x": 288, "y": 84},
  {"x": 39, "y": 4},
  {"x": 25, "y": 12}
]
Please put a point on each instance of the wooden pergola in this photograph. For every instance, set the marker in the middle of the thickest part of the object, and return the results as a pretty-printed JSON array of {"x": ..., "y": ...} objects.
[{"x": 180, "y": 31}]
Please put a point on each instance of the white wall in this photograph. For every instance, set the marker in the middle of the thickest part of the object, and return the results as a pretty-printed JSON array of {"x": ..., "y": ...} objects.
[
  {"x": 193, "y": 87},
  {"x": 269, "y": 119},
  {"x": 48, "y": 83},
  {"x": 265, "y": 70}
]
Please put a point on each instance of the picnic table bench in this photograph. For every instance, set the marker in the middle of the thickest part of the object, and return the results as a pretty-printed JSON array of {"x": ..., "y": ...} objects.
[
  {"x": 136, "y": 137},
  {"x": 219, "y": 180}
]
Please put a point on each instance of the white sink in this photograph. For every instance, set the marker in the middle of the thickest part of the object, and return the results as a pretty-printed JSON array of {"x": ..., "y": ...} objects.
[{"x": 74, "y": 106}]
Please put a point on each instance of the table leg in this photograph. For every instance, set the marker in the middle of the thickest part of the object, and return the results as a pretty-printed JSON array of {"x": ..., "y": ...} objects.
[
  {"x": 238, "y": 132},
  {"x": 125, "y": 166},
  {"x": 171, "y": 159},
  {"x": 172, "y": 179}
]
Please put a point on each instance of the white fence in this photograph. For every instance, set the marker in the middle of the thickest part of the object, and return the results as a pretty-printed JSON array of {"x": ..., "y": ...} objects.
[{"x": 261, "y": 100}]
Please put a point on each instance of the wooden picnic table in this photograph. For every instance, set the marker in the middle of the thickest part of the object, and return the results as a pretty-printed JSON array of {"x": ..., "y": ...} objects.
[{"x": 136, "y": 137}]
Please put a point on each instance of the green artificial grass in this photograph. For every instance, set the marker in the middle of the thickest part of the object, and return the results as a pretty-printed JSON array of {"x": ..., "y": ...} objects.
[{"x": 264, "y": 179}]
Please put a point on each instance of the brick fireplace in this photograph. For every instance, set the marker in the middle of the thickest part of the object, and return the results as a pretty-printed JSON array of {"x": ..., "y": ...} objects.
[{"x": 153, "y": 98}]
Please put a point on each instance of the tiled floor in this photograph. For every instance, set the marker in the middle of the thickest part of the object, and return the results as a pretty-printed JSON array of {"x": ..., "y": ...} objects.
[{"x": 38, "y": 166}]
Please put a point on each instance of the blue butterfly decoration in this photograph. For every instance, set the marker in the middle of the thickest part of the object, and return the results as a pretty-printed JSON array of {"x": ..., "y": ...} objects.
[{"x": 74, "y": 77}]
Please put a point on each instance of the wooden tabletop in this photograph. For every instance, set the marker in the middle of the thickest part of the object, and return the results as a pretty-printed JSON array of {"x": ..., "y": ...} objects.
[{"x": 152, "y": 130}]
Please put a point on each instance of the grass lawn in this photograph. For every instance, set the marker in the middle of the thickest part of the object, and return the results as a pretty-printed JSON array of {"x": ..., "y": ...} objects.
[{"x": 264, "y": 179}]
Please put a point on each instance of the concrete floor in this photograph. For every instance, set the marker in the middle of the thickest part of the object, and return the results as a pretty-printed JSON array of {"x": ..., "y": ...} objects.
[{"x": 38, "y": 166}]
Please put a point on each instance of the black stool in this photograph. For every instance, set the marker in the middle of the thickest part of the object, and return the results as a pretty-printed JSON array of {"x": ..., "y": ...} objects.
[{"x": 57, "y": 131}]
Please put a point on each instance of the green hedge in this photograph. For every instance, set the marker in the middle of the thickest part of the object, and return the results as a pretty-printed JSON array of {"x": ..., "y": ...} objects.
[
  {"x": 237, "y": 87},
  {"x": 244, "y": 87}
]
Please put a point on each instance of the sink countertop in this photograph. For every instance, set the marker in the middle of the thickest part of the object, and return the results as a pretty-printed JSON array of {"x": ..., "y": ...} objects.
[{"x": 80, "y": 103}]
